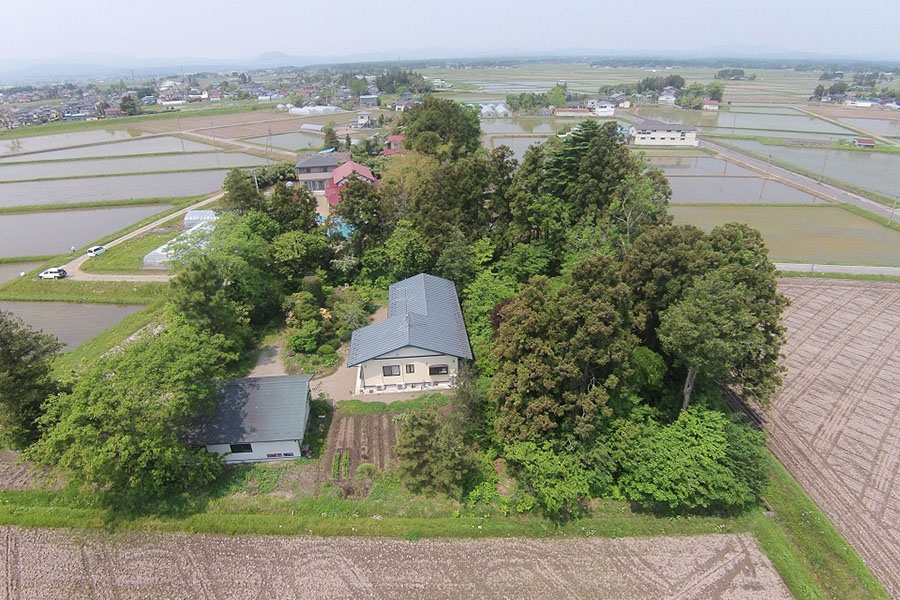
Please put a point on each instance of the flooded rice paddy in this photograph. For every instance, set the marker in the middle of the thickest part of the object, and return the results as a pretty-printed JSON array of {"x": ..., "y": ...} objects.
[
  {"x": 885, "y": 127},
  {"x": 10, "y": 271},
  {"x": 736, "y": 190},
  {"x": 742, "y": 120},
  {"x": 103, "y": 189},
  {"x": 112, "y": 166},
  {"x": 32, "y": 234},
  {"x": 297, "y": 140},
  {"x": 825, "y": 234},
  {"x": 63, "y": 140},
  {"x": 72, "y": 324},
  {"x": 152, "y": 145},
  {"x": 698, "y": 165},
  {"x": 878, "y": 172},
  {"x": 518, "y": 144}
]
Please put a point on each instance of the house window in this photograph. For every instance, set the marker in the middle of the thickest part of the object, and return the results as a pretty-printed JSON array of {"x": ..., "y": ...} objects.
[
  {"x": 238, "y": 448},
  {"x": 390, "y": 370},
  {"x": 438, "y": 370},
  {"x": 410, "y": 368}
]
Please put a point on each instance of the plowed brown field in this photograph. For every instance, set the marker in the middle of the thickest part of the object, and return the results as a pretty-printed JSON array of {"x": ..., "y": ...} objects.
[
  {"x": 836, "y": 422},
  {"x": 66, "y": 565}
]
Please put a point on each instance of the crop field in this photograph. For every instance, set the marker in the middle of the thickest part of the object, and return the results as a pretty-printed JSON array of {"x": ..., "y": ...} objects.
[
  {"x": 770, "y": 85},
  {"x": 366, "y": 438},
  {"x": 66, "y": 565},
  {"x": 836, "y": 422}
]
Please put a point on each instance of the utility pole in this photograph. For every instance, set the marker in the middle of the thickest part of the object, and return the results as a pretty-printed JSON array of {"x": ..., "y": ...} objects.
[
  {"x": 896, "y": 197},
  {"x": 824, "y": 162}
]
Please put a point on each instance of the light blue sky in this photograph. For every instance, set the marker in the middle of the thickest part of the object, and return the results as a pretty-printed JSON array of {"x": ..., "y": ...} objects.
[{"x": 239, "y": 29}]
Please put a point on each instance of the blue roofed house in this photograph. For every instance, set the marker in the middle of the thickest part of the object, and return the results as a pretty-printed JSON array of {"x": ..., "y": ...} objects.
[
  {"x": 418, "y": 346},
  {"x": 257, "y": 419}
]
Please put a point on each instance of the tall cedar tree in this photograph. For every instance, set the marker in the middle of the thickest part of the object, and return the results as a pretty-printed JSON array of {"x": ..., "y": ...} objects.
[
  {"x": 561, "y": 355},
  {"x": 294, "y": 209},
  {"x": 442, "y": 128},
  {"x": 240, "y": 193}
]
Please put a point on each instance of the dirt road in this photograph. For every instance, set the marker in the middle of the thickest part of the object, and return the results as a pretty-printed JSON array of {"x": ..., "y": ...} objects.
[
  {"x": 56, "y": 564},
  {"x": 836, "y": 422}
]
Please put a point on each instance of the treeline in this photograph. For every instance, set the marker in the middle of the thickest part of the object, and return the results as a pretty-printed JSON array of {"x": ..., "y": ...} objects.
[
  {"x": 733, "y": 74},
  {"x": 396, "y": 81},
  {"x": 530, "y": 101},
  {"x": 646, "y": 85},
  {"x": 693, "y": 95}
]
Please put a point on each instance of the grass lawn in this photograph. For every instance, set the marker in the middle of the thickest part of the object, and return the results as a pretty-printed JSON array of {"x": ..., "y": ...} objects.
[
  {"x": 128, "y": 257},
  {"x": 68, "y": 290}
]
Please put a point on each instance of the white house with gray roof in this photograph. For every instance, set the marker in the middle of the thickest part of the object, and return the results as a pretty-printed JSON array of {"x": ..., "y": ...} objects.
[
  {"x": 257, "y": 419},
  {"x": 657, "y": 133},
  {"x": 418, "y": 346}
]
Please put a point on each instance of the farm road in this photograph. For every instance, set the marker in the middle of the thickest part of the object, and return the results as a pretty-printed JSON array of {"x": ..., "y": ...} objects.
[
  {"x": 835, "y": 424},
  {"x": 59, "y": 564}
]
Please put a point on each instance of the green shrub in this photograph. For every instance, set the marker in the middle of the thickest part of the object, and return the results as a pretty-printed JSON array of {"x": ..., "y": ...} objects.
[
  {"x": 325, "y": 350},
  {"x": 366, "y": 470}
]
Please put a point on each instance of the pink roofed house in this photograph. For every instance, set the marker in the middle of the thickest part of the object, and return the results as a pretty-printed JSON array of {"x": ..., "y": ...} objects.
[{"x": 342, "y": 174}]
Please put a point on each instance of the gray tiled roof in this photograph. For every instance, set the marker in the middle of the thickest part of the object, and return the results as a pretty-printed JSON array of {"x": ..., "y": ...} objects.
[
  {"x": 423, "y": 312},
  {"x": 317, "y": 160},
  {"x": 660, "y": 126},
  {"x": 257, "y": 409}
]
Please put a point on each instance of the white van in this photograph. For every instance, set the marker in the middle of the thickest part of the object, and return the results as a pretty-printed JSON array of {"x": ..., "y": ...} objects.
[
  {"x": 96, "y": 250},
  {"x": 54, "y": 273}
]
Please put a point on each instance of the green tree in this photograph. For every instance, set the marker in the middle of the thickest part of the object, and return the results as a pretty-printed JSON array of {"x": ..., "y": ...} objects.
[
  {"x": 712, "y": 330},
  {"x": 456, "y": 262},
  {"x": 405, "y": 252},
  {"x": 559, "y": 482},
  {"x": 561, "y": 354},
  {"x": 557, "y": 96},
  {"x": 129, "y": 106},
  {"x": 362, "y": 207},
  {"x": 702, "y": 460},
  {"x": 480, "y": 298},
  {"x": 293, "y": 209},
  {"x": 124, "y": 428},
  {"x": 358, "y": 87},
  {"x": 199, "y": 294},
  {"x": 25, "y": 382},
  {"x": 331, "y": 139},
  {"x": 432, "y": 457},
  {"x": 442, "y": 127},
  {"x": 298, "y": 253},
  {"x": 240, "y": 193}
]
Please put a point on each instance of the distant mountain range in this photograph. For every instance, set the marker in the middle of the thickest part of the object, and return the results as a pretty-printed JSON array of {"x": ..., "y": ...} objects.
[{"x": 88, "y": 66}]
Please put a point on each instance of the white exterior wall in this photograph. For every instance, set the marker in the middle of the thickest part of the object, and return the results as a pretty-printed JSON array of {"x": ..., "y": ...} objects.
[
  {"x": 261, "y": 450},
  {"x": 663, "y": 138},
  {"x": 604, "y": 109},
  {"x": 369, "y": 375}
]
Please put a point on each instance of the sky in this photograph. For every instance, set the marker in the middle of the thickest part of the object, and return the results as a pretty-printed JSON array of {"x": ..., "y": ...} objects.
[{"x": 236, "y": 29}]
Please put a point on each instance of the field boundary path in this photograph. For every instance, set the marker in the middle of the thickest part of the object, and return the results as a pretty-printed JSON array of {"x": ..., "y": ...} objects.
[
  {"x": 835, "y": 424},
  {"x": 60, "y": 564},
  {"x": 842, "y": 269},
  {"x": 802, "y": 182},
  {"x": 73, "y": 267}
]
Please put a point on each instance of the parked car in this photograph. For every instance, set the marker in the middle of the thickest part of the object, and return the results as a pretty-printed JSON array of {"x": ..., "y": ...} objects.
[
  {"x": 54, "y": 273},
  {"x": 96, "y": 250}
]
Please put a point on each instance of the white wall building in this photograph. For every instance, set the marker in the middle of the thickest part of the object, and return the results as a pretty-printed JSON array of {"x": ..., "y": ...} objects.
[
  {"x": 657, "y": 133},
  {"x": 257, "y": 419},
  {"x": 420, "y": 344}
]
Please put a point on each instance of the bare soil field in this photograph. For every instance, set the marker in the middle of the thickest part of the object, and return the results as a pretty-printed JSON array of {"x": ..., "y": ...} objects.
[
  {"x": 835, "y": 424},
  {"x": 16, "y": 474},
  {"x": 836, "y": 112},
  {"x": 198, "y": 122},
  {"x": 369, "y": 438},
  {"x": 66, "y": 565}
]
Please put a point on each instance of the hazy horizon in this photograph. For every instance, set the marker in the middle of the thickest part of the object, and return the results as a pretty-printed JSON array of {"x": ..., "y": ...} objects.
[{"x": 225, "y": 30}]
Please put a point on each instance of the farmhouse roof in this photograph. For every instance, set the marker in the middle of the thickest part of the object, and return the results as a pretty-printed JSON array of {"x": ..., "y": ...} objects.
[
  {"x": 317, "y": 160},
  {"x": 423, "y": 312},
  {"x": 867, "y": 141},
  {"x": 349, "y": 167},
  {"x": 257, "y": 409},
  {"x": 653, "y": 125}
]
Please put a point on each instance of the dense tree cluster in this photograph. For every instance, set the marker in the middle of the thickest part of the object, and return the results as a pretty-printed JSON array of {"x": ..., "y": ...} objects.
[
  {"x": 693, "y": 95},
  {"x": 397, "y": 81}
]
